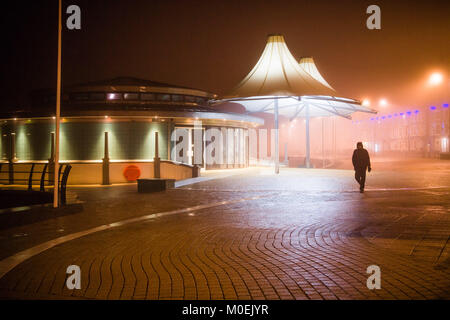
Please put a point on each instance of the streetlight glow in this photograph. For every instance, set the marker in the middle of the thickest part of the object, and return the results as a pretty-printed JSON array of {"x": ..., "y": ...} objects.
[
  {"x": 383, "y": 102},
  {"x": 435, "y": 79}
]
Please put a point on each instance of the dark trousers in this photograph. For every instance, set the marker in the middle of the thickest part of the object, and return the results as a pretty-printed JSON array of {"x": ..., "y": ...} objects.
[{"x": 360, "y": 176}]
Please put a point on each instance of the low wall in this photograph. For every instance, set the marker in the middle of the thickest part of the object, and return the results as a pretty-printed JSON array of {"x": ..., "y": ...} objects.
[
  {"x": 84, "y": 172},
  {"x": 177, "y": 171}
]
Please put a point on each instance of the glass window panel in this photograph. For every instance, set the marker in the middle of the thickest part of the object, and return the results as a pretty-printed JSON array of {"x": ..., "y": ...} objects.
[
  {"x": 147, "y": 96},
  {"x": 131, "y": 96},
  {"x": 114, "y": 96},
  {"x": 200, "y": 100},
  {"x": 190, "y": 99},
  {"x": 163, "y": 97},
  {"x": 97, "y": 96},
  {"x": 177, "y": 97},
  {"x": 80, "y": 96}
]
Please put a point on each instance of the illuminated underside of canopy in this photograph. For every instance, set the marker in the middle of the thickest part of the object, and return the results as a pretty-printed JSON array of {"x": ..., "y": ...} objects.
[{"x": 293, "y": 107}]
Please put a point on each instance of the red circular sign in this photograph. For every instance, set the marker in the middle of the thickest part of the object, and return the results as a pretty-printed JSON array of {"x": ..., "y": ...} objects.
[{"x": 132, "y": 172}]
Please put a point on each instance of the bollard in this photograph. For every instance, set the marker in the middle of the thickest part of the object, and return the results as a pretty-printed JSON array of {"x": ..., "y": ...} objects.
[
  {"x": 156, "y": 159},
  {"x": 105, "y": 163}
]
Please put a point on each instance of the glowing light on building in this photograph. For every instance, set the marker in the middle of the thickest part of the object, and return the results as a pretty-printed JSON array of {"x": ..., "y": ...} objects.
[
  {"x": 444, "y": 145},
  {"x": 366, "y": 103},
  {"x": 432, "y": 108},
  {"x": 113, "y": 96},
  {"x": 383, "y": 102}
]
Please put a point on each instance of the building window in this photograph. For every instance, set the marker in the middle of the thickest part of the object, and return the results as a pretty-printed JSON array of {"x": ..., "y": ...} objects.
[
  {"x": 131, "y": 96},
  {"x": 114, "y": 96},
  {"x": 200, "y": 100},
  {"x": 163, "y": 97},
  {"x": 189, "y": 98},
  {"x": 80, "y": 96},
  {"x": 177, "y": 98},
  {"x": 97, "y": 96},
  {"x": 147, "y": 96}
]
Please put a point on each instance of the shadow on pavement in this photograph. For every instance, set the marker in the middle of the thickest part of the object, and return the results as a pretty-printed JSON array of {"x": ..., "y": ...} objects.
[{"x": 15, "y": 217}]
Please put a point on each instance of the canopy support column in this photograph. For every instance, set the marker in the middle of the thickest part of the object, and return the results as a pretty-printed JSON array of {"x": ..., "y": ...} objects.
[
  {"x": 323, "y": 150},
  {"x": 307, "y": 158},
  {"x": 277, "y": 149}
]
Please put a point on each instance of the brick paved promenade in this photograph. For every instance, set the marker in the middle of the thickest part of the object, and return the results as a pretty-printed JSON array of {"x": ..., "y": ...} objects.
[{"x": 305, "y": 234}]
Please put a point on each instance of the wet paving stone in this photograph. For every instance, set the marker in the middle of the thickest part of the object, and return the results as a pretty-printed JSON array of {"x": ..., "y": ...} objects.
[{"x": 305, "y": 234}]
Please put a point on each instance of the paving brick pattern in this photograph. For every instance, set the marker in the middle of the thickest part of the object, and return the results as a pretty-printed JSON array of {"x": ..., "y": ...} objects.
[{"x": 290, "y": 243}]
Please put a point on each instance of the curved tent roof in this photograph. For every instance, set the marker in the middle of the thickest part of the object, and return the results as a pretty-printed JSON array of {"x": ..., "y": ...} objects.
[
  {"x": 277, "y": 73},
  {"x": 307, "y": 63}
]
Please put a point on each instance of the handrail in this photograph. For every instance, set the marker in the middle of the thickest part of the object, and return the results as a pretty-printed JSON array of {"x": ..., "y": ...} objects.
[
  {"x": 42, "y": 178},
  {"x": 61, "y": 183},
  {"x": 64, "y": 184},
  {"x": 30, "y": 179}
]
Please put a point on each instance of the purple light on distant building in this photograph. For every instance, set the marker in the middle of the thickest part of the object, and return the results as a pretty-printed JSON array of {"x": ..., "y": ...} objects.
[
  {"x": 417, "y": 111},
  {"x": 432, "y": 108},
  {"x": 445, "y": 105},
  {"x": 408, "y": 113}
]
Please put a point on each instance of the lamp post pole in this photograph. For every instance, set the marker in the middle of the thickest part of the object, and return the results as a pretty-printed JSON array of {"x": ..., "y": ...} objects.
[
  {"x": 58, "y": 107},
  {"x": 277, "y": 151}
]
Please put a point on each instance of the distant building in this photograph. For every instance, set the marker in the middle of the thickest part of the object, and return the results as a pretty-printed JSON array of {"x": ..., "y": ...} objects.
[{"x": 421, "y": 132}]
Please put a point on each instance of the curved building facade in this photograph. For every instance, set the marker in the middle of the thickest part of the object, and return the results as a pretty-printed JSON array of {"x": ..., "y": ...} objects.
[{"x": 118, "y": 120}]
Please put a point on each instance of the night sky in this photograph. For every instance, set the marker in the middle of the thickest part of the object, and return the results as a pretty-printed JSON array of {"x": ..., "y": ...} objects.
[{"x": 212, "y": 45}]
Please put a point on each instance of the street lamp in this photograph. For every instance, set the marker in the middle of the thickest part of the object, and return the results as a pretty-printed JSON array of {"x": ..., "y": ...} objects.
[
  {"x": 435, "y": 79},
  {"x": 383, "y": 102}
]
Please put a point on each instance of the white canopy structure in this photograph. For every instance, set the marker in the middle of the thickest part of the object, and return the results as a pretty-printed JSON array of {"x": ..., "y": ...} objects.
[{"x": 278, "y": 83}]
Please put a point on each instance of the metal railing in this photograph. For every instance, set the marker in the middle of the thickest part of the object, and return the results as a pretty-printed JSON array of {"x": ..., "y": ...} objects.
[{"x": 46, "y": 176}]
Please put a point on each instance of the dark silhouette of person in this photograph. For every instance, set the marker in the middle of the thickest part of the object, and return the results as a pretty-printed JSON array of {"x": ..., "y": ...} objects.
[{"x": 361, "y": 163}]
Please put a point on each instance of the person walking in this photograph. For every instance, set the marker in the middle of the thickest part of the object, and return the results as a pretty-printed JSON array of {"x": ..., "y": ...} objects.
[{"x": 361, "y": 163}]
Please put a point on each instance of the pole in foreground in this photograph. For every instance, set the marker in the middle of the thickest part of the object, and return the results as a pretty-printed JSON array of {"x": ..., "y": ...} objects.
[{"x": 58, "y": 107}]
